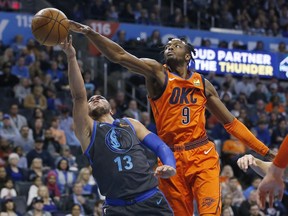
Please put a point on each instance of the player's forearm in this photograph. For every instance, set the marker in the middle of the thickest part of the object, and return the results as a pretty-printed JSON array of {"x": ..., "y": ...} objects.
[
  {"x": 281, "y": 159},
  {"x": 241, "y": 132},
  {"x": 106, "y": 46},
  {"x": 76, "y": 82},
  {"x": 261, "y": 167}
]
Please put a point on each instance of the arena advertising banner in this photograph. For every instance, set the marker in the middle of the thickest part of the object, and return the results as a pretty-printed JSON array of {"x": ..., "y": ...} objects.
[{"x": 221, "y": 61}]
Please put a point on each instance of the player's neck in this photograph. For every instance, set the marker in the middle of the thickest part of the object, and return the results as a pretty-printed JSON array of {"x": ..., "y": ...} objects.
[{"x": 106, "y": 119}]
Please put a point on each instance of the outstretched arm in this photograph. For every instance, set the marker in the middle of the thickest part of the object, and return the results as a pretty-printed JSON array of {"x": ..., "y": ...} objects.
[
  {"x": 272, "y": 185},
  {"x": 82, "y": 122},
  {"x": 116, "y": 54},
  {"x": 231, "y": 124},
  {"x": 154, "y": 143},
  {"x": 259, "y": 166}
]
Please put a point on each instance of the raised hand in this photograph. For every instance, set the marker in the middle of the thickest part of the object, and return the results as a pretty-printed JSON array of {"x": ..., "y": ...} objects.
[
  {"x": 272, "y": 186},
  {"x": 165, "y": 171},
  {"x": 246, "y": 161},
  {"x": 78, "y": 27},
  {"x": 68, "y": 48}
]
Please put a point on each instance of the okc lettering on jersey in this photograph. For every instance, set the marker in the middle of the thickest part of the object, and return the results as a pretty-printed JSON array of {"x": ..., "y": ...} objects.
[{"x": 183, "y": 95}]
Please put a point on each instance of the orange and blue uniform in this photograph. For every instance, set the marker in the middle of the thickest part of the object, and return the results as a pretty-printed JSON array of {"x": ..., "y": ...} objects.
[{"x": 180, "y": 119}]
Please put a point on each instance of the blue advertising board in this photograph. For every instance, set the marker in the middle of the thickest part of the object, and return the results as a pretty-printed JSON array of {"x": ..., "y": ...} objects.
[{"x": 221, "y": 61}]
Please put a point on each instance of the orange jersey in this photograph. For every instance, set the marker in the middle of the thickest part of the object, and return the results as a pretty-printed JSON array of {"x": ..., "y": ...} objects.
[
  {"x": 281, "y": 159},
  {"x": 180, "y": 111}
]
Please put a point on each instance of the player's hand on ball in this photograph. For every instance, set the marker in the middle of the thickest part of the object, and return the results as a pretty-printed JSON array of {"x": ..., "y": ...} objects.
[
  {"x": 165, "y": 171},
  {"x": 78, "y": 27},
  {"x": 68, "y": 48}
]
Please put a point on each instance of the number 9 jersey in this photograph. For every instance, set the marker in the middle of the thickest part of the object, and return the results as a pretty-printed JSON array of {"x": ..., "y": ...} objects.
[{"x": 180, "y": 111}]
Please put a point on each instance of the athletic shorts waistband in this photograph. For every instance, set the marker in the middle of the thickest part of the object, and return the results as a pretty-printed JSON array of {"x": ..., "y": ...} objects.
[
  {"x": 141, "y": 197},
  {"x": 190, "y": 145}
]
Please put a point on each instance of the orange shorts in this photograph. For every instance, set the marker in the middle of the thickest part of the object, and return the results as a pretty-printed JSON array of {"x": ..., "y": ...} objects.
[{"x": 197, "y": 178}]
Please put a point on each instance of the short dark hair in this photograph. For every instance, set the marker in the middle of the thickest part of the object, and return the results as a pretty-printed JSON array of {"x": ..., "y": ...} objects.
[{"x": 190, "y": 48}]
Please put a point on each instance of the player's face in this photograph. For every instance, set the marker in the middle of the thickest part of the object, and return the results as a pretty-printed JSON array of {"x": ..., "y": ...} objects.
[
  {"x": 175, "y": 51},
  {"x": 98, "y": 106}
]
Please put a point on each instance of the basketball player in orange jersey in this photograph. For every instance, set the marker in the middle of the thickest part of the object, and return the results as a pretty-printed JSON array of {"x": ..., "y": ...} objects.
[{"x": 178, "y": 99}]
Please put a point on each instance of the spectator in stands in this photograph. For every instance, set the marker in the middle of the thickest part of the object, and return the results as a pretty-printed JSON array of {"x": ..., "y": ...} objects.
[
  {"x": 133, "y": 111},
  {"x": 112, "y": 14},
  {"x": 121, "y": 102},
  {"x": 38, "y": 128},
  {"x": 54, "y": 72},
  {"x": 90, "y": 84},
  {"x": 262, "y": 132},
  {"x": 53, "y": 102},
  {"x": 282, "y": 47},
  {"x": 39, "y": 152},
  {"x": 255, "y": 210},
  {"x": 66, "y": 124},
  {"x": 143, "y": 18},
  {"x": 98, "y": 208},
  {"x": 146, "y": 121},
  {"x": 259, "y": 47},
  {"x": 36, "y": 99},
  {"x": 274, "y": 91},
  {"x": 5, "y": 149},
  {"x": 22, "y": 163},
  {"x": 17, "y": 119},
  {"x": 275, "y": 105},
  {"x": 20, "y": 69},
  {"x": 231, "y": 81},
  {"x": 279, "y": 133},
  {"x": 22, "y": 89},
  {"x": 48, "y": 82},
  {"x": 154, "y": 41},
  {"x": 227, "y": 205},
  {"x": 114, "y": 109},
  {"x": 65, "y": 178},
  {"x": 18, "y": 44},
  {"x": 246, "y": 204},
  {"x": 37, "y": 113},
  {"x": 13, "y": 171},
  {"x": 121, "y": 38},
  {"x": 77, "y": 198},
  {"x": 7, "y": 79},
  {"x": 77, "y": 13},
  {"x": 57, "y": 133},
  {"x": 33, "y": 190},
  {"x": 88, "y": 183},
  {"x": 68, "y": 154},
  {"x": 76, "y": 210},
  {"x": 8, "y": 191},
  {"x": 8, "y": 131},
  {"x": 253, "y": 187},
  {"x": 9, "y": 208},
  {"x": 258, "y": 112},
  {"x": 49, "y": 204},
  {"x": 51, "y": 145},
  {"x": 7, "y": 57},
  {"x": 97, "y": 10},
  {"x": 37, "y": 208},
  {"x": 232, "y": 148},
  {"x": 258, "y": 94},
  {"x": 51, "y": 182},
  {"x": 244, "y": 86},
  {"x": 126, "y": 14},
  {"x": 3, "y": 176},
  {"x": 236, "y": 191},
  {"x": 36, "y": 169},
  {"x": 24, "y": 139}
]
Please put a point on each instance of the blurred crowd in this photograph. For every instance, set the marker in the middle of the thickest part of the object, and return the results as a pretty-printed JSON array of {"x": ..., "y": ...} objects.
[{"x": 253, "y": 17}]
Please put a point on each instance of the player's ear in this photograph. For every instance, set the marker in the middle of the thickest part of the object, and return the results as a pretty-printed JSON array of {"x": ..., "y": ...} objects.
[{"x": 187, "y": 57}]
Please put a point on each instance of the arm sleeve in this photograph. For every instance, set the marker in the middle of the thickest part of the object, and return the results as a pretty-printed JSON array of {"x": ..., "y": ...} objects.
[
  {"x": 281, "y": 159},
  {"x": 155, "y": 144},
  {"x": 241, "y": 132}
]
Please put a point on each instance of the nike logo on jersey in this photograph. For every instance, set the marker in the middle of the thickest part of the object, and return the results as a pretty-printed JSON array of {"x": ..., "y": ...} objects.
[
  {"x": 171, "y": 79},
  {"x": 206, "y": 152},
  {"x": 159, "y": 201}
]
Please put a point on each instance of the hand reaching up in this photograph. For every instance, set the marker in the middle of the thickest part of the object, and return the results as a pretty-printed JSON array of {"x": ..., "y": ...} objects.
[{"x": 68, "y": 48}]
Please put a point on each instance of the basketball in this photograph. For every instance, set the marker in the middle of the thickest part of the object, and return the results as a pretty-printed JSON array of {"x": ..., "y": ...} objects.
[{"x": 50, "y": 26}]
